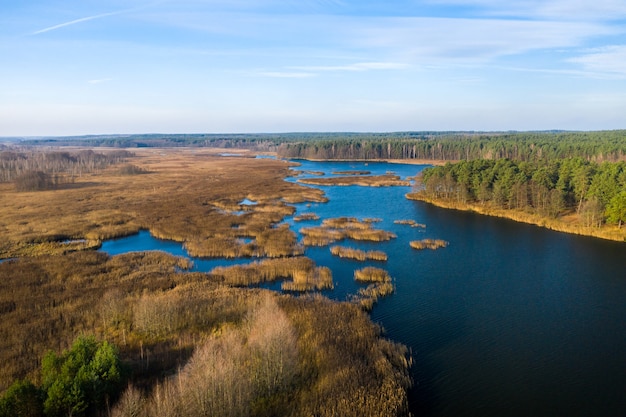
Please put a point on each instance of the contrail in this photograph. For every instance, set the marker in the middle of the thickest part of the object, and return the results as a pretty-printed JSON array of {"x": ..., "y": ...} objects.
[
  {"x": 73, "y": 22},
  {"x": 98, "y": 16}
]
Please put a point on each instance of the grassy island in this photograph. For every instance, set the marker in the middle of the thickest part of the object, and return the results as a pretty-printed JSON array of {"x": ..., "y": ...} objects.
[
  {"x": 428, "y": 244},
  {"x": 379, "y": 286},
  {"x": 357, "y": 254},
  {"x": 336, "y": 229},
  {"x": 411, "y": 223},
  {"x": 364, "y": 181}
]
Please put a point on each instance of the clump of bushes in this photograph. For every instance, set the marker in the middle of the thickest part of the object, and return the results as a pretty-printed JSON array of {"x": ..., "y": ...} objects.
[
  {"x": 130, "y": 169},
  {"x": 34, "y": 181}
]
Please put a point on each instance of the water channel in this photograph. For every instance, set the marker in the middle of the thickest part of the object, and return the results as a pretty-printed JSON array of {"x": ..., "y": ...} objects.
[{"x": 508, "y": 320}]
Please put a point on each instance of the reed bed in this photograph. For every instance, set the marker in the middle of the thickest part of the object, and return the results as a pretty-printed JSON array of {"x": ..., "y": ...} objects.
[
  {"x": 364, "y": 181},
  {"x": 380, "y": 286},
  {"x": 357, "y": 254},
  {"x": 301, "y": 270},
  {"x": 368, "y": 296},
  {"x": 428, "y": 244},
  {"x": 319, "y": 278},
  {"x": 336, "y": 229},
  {"x": 411, "y": 223},
  {"x": 345, "y": 223},
  {"x": 372, "y": 274},
  {"x": 306, "y": 216},
  {"x": 270, "y": 243},
  {"x": 356, "y": 172}
]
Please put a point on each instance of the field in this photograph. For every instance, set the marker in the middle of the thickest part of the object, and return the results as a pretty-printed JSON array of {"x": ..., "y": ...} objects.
[{"x": 305, "y": 355}]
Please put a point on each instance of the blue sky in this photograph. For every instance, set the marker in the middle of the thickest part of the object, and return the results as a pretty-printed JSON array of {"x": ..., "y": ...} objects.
[{"x": 214, "y": 66}]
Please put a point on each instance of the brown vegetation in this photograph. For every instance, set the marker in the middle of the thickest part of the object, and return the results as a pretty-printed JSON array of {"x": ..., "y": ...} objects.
[
  {"x": 372, "y": 274},
  {"x": 186, "y": 336},
  {"x": 411, "y": 223},
  {"x": 306, "y": 216},
  {"x": 381, "y": 286},
  {"x": 364, "y": 181},
  {"x": 335, "y": 229},
  {"x": 181, "y": 199},
  {"x": 428, "y": 244},
  {"x": 226, "y": 349},
  {"x": 357, "y": 254},
  {"x": 351, "y": 172},
  {"x": 305, "y": 275}
]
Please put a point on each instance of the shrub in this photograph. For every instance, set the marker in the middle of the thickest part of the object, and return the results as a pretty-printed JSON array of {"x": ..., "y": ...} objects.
[{"x": 33, "y": 181}]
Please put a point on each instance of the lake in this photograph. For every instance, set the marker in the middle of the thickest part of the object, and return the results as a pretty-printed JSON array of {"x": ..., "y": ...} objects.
[{"x": 508, "y": 320}]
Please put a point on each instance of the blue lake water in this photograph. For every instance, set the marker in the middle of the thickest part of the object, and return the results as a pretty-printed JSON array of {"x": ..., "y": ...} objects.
[{"x": 508, "y": 320}]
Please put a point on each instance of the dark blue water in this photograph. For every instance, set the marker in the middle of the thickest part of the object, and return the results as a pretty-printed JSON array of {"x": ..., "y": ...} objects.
[{"x": 508, "y": 320}]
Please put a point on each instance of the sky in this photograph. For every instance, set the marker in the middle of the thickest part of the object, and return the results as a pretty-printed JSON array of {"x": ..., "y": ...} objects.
[{"x": 76, "y": 67}]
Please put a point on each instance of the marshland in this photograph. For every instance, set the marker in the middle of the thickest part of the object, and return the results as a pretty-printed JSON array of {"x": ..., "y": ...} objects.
[{"x": 452, "y": 308}]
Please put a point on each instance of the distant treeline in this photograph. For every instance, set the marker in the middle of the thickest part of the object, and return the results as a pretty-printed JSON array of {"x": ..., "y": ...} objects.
[
  {"x": 530, "y": 146},
  {"x": 596, "y": 146},
  {"x": 597, "y": 192}
]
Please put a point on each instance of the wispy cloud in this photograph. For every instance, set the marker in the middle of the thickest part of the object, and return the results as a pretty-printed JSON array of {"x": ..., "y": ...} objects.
[
  {"x": 544, "y": 9},
  {"x": 76, "y": 21},
  {"x": 100, "y": 80},
  {"x": 97, "y": 16},
  {"x": 359, "y": 66},
  {"x": 283, "y": 74},
  {"x": 607, "y": 60}
]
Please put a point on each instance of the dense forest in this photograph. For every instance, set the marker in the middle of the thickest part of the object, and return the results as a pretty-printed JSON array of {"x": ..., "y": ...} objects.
[
  {"x": 596, "y": 192},
  {"x": 528, "y": 146}
]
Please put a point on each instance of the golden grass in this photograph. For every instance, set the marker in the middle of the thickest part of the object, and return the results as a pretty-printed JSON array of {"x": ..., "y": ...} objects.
[
  {"x": 411, "y": 223},
  {"x": 371, "y": 274},
  {"x": 356, "y": 172},
  {"x": 428, "y": 244},
  {"x": 380, "y": 286},
  {"x": 306, "y": 216},
  {"x": 188, "y": 195},
  {"x": 302, "y": 271},
  {"x": 357, "y": 254},
  {"x": 336, "y": 229},
  {"x": 565, "y": 224},
  {"x": 159, "y": 316},
  {"x": 364, "y": 181}
]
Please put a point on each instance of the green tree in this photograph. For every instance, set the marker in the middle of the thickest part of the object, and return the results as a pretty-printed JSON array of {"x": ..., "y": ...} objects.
[
  {"x": 616, "y": 209},
  {"x": 22, "y": 399},
  {"x": 82, "y": 379}
]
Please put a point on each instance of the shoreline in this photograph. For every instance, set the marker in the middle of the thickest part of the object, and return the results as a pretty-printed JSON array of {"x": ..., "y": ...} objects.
[
  {"x": 612, "y": 233},
  {"x": 436, "y": 162}
]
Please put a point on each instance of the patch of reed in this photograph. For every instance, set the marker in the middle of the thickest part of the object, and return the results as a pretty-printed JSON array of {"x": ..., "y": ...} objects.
[
  {"x": 428, "y": 244},
  {"x": 336, "y": 229},
  {"x": 368, "y": 296},
  {"x": 301, "y": 270},
  {"x": 364, "y": 181},
  {"x": 357, "y": 254},
  {"x": 306, "y": 216},
  {"x": 356, "y": 172},
  {"x": 411, "y": 223},
  {"x": 372, "y": 274}
]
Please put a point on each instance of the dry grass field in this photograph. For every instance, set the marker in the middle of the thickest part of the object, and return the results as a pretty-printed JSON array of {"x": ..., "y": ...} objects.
[{"x": 183, "y": 333}]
